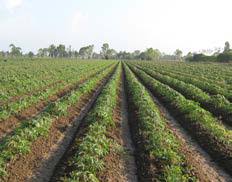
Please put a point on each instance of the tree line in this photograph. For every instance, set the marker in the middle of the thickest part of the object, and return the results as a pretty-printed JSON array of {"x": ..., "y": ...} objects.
[
  {"x": 87, "y": 52},
  {"x": 217, "y": 56}
]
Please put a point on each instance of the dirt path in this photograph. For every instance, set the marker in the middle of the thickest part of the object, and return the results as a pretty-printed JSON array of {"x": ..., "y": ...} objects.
[
  {"x": 130, "y": 164},
  {"x": 204, "y": 166}
]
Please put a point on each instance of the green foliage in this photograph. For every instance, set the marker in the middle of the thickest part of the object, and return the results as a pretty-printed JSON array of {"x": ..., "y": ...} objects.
[
  {"x": 22, "y": 138},
  {"x": 218, "y": 104},
  {"x": 150, "y": 54},
  {"x": 225, "y": 57},
  {"x": 95, "y": 145},
  {"x": 158, "y": 141},
  {"x": 201, "y": 58},
  {"x": 190, "y": 112},
  {"x": 71, "y": 76}
]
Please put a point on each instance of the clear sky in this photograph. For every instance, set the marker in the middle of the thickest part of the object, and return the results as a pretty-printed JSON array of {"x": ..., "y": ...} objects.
[{"x": 189, "y": 25}]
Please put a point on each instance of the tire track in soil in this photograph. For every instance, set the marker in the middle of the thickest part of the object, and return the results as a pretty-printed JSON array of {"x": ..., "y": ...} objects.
[
  {"x": 7, "y": 126},
  {"x": 46, "y": 152}
]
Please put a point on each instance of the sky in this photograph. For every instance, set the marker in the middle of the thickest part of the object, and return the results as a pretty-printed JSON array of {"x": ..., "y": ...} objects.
[{"x": 190, "y": 25}]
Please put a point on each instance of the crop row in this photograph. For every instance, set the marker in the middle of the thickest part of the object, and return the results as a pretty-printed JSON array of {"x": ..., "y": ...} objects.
[
  {"x": 15, "y": 107},
  {"x": 210, "y": 134},
  {"x": 26, "y": 77},
  {"x": 20, "y": 141},
  {"x": 205, "y": 86},
  {"x": 156, "y": 143},
  {"x": 220, "y": 73},
  {"x": 216, "y": 104},
  {"x": 94, "y": 145}
]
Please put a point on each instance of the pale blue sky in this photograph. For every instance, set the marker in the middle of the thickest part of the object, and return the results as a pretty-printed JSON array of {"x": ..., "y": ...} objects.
[{"x": 190, "y": 25}]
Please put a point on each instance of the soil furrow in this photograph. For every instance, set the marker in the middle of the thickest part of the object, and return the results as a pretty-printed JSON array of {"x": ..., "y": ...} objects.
[
  {"x": 130, "y": 164},
  {"x": 204, "y": 166},
  {"x": 18, "y": 97},
  {"x": 7, "y": 126},
  {"x": 38, "y": 165},
  {"x": 121, "y": 166}
]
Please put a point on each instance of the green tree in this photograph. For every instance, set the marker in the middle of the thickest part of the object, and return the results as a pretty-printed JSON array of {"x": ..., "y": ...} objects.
[
  {"x": 111, "y": 54},
  {"x": 86, "y": 52},
  {"x": 30, "y": 54},
  {"x": 15, "y": 51},
  {"x": 2, "y": 54},
  {"x": 178, "y": 53},
  {"x": 52, "y": 51},
  {"x": 61, "y": 51},
  {"x": 42, "y": 52},
  {"x": 150, "y": 54},
  {"x": 135, "y": 54},
  {"x": 104, "y": 50},
  {"x": 227, "y": 47}
]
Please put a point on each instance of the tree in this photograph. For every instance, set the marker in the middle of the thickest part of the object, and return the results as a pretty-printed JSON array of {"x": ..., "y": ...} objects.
[
  {"x": 111, "y": 54},
  {"x": 86, "y": 52},
  {"x": 178, "y": 53},
  {"x": 30, "y": 54},
  {"x": 61, "y": 51},
  {"x": 188, "y": 56},
  {"x": 52, "y": 51},
  {"x": 96, "y": 56},
  {"x": 105, "y": 48},
  {"x": 2, "y": 54},
  {"x": 124, "y": 55},
  {"x": 135, "y": 54},
  {"x": 42, "y": 52},
  {"x": 70, "y": 53},
  {"x": 227, "y": 47},
  {"x": 15, "y": 51},
  {"x": 150, "y": 54},
  {"x": 225, "y": 57},
  {"x": 76, "y": 54}
]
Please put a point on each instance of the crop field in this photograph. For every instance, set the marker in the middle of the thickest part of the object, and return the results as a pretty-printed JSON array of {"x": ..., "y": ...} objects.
[{"x": 108, "y": 120}]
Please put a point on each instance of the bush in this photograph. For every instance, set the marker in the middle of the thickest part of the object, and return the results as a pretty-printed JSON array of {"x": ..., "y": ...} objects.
[
  {"x": 200, "y": 58},
  {"x": 225, "y": 57}
]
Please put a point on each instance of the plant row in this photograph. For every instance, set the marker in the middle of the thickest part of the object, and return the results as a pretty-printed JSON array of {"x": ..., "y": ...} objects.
[
  {"x": 19, "y": 79},
  {"x": 216, "y": 104},
  {"x": 154, "y": 140},
  {"x": 205, "y": 86},
  {"x": 210, "y": 134},
  {"x": 20, "y": 141},
  {"x": 24, "y": 103},
  {"x": 220, "y": 73},
  {"x": 95, "y": 145}
]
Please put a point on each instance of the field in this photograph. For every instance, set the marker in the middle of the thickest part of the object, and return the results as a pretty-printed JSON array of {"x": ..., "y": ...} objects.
[{"x": 66, "y": 120}]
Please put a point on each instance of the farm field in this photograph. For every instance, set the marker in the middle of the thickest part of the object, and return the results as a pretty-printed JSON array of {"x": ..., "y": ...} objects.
[{"x": 107, "y": 120}]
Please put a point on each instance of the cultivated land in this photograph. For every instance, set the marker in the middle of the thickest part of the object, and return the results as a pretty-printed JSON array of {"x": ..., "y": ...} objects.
[{"x": 63, "y": 120}]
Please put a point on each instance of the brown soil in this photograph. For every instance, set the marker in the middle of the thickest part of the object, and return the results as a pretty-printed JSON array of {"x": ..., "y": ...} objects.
[
  {"x": 18, "y": 97},
  {"x": 37, "y": 165},
  {"x": 114, "y": 166},
  {"x": 203, "y": 166},
  {"x": 219, "y": 152},
  {"x": 147, "y": 168},
  {"x": 7, "y": 126},
  {"x": 121, "y": 166}
]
